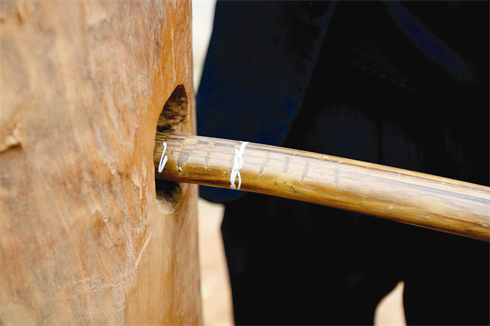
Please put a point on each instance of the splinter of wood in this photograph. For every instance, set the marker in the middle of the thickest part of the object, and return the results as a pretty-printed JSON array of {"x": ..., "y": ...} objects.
[{"x": 409, "y": 197}]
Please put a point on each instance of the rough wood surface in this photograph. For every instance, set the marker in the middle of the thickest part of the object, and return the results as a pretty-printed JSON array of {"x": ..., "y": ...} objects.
[
  {"x": 414, "y": 198},
  {"x": 83, "y": 237}
]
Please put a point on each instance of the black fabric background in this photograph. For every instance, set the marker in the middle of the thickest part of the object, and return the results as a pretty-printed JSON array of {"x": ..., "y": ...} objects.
[{"x": 373, "y": 93}]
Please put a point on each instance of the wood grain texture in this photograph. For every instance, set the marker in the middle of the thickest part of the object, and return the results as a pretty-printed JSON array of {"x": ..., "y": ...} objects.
[
  {"x": 85, "y": 238},
  {"x": 409, "y": 197}
]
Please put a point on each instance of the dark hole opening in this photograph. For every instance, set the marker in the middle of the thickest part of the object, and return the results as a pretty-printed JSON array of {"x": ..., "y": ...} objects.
[
  {"x": 174, "y": 111},
  {"x": 171, "y": 119}
]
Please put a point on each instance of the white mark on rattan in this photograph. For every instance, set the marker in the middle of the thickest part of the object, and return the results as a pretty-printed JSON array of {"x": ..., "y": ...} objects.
[
  {"x": 237, "y": 165},
  {"x": 163, "y": 159}
]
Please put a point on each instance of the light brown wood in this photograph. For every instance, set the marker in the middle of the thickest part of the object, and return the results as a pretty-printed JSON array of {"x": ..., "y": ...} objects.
[
  {"x": 84, "y": 236},
  {"x": 409, "y": 197}
]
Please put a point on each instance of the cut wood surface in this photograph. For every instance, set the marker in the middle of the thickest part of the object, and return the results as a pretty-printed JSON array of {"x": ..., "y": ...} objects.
[
  {"x": 85, "y": 238},
  {"x": 409, "y": 197}
]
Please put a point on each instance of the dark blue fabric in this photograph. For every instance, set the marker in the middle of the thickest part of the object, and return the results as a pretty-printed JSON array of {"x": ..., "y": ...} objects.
[{"x": 260, "y": 60}]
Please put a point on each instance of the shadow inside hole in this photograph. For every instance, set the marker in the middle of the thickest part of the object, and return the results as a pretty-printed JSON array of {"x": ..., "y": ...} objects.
[
  {"x": 168, "y": 191},
  {"x": 171, "y": 119},
  {"x": 174, "y": 111}
]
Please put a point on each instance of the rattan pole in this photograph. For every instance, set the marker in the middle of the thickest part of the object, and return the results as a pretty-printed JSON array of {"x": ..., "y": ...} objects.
[{"x": 400, "y": 195}]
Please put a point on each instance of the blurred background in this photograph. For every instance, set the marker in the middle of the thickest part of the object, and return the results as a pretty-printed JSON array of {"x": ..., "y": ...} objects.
[{"x": 215, "y": 288}]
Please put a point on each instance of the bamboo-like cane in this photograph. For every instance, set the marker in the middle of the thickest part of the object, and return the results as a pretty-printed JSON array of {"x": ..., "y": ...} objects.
[{"x": 400, "y": 195}]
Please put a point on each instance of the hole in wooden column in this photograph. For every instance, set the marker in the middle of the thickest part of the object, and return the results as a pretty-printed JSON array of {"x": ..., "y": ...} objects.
[
  {"x": 172, "y": 119},
  {"x": 174, "y": 111}
]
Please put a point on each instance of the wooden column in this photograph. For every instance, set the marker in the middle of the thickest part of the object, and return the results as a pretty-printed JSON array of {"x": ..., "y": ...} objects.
[{"x": 85, "y": 238}]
